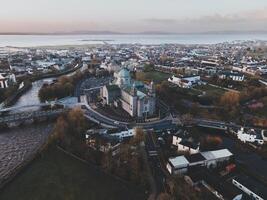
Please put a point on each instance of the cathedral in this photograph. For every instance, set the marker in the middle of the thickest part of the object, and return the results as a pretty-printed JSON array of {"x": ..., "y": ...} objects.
[{"x": 136, "y": 98}]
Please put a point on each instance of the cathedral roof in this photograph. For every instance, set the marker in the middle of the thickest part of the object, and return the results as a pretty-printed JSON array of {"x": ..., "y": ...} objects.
[{"x": 124, "y": 73}]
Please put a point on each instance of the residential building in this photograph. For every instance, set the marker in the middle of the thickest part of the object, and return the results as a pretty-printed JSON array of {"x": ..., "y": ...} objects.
[
  {"x": 104, "y": 143},
  {"x": 209, "y": 159},
  {"x": 185, "y": 145},
  {"x": 235, "y": 76},
  {"x": 6, "y": 80},
  {"x": 185, "y": 81},
  {"x": 250, "y": 136}
]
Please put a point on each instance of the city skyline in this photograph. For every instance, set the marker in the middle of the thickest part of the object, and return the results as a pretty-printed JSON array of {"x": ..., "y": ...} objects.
[{"x": 175, "y": 16}]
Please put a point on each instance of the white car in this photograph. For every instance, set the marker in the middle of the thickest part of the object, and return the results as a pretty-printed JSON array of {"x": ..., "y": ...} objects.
[{"x": 116, "y": 122}]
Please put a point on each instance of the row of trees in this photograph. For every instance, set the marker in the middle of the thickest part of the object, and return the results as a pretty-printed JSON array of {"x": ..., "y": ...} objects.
[
  {"x": 128, "y": 165},
  {"x": 69, "y": 131},
  {"x": 62, "y": 88},
  {"x": 7, "y": 92}
]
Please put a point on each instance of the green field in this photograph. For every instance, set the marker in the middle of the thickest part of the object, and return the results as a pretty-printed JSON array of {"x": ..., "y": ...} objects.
[
  {"x": 57, "y": 176},
  {"x": 210, "y": 90},
  {"x": 155, "y": 76}
]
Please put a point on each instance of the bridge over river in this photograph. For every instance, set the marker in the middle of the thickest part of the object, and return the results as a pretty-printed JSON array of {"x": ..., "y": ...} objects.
[{"x": 30, "y": 115}]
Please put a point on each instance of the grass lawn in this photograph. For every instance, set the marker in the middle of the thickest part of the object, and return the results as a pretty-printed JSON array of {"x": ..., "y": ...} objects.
[
  {"x": 210, "y": 90},
  {"x": 156, "y": 76},
  {"x": 57, "y": 176}
]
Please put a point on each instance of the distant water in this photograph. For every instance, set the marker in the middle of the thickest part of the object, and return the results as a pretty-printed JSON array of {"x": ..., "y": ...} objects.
[{"x": 53, "y": 40}]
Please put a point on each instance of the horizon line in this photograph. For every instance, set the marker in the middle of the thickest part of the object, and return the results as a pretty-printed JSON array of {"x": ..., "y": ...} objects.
[{"x": 130, "y": 33}]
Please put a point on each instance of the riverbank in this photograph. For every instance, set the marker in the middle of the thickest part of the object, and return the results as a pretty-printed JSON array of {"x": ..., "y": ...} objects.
[
  {"x": 31, "y": 80},
  {"x": 18, "y": 147},
  {"x": 55, "y": 75},
  {"x": 13, "y": 98}
]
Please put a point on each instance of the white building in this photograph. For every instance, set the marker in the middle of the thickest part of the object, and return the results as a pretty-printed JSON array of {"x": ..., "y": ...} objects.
[
  {"x": 3, "y": 81},
  {"x": 250, "y": 136},
  {"x": 233, "y": 76},
  {"x": 6, "y": 79},
  {"x": 185, "y": 81},
  {"x": 209, "y": 159},
  {"x": 185, "y": 145},
  {"x": 177, "y": 165}
]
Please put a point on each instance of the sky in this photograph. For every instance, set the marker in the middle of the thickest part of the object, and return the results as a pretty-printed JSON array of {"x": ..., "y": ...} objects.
[{"x": 179, "y": 16}]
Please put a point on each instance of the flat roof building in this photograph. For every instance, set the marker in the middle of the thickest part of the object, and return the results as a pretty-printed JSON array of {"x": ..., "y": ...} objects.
[{"x": 208, "y": 159}]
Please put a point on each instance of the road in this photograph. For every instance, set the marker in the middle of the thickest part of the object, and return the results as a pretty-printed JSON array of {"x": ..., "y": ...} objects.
[
  {"x": 158, "y": 170},
  {"x": 90, "y": 113},
  {"x": 94, "y": 83},
  {"x": 90, "y": 83},
  {"x": 221, "y": 125},
  {"x": 87, "y": 85}
]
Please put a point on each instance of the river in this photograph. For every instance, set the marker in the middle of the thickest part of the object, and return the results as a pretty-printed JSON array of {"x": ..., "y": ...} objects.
[{"x": 30, "y": 97}]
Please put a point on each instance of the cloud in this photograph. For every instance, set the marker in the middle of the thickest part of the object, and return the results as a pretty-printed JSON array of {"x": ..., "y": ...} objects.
[
  {"x": 253, "y": 20},
  {"x": 160, "y": 21}
]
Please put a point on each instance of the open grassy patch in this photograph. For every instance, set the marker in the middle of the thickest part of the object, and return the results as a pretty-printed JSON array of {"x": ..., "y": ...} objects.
[
  {"x": 155, "y": 76},
  {"x": 210, "y": 90},
  {"x": 57, "y": 176}
]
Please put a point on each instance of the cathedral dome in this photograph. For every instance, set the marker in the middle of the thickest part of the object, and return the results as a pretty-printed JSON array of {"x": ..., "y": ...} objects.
[{"x": 124, "y": 73}]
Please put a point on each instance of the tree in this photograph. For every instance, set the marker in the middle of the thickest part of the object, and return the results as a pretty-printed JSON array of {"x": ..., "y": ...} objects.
[
  {"x": 187, "y": 119},
  {"x": 139, "y": 136},
  {"x": 149, "y": 67},
  {"x": 164, "y": 196},
  {"x": 179, "y": 189},
  {"x": 76, "y": 121},
  {"x": 230, "y": 103},
  {"x": 230, "y": 99},
  {"x": 211, "y": 142}
]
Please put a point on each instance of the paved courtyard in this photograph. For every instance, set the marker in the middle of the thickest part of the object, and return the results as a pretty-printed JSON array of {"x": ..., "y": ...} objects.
[{"x": 18, "y": 145}]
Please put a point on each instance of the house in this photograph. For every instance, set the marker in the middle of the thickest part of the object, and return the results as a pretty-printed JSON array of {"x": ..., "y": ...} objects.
[
  {"x": 250, "y": 136},
  {"x": 185, "y": 145},
  {"x": 209, "y": 159},
  {"x": 209, "y": 63},
  {"x": 177, "y": 165},
  {"x": 104, "y": 143},
  {"x": 235, "y": 76},
  {"x": 3, "y": 81},
  {"x": 185, "y": 81},
  {"x": 6, "y": 80}
]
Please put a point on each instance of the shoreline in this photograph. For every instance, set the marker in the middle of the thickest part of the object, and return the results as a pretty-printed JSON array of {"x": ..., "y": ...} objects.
[{"x": 92, "y": 40}]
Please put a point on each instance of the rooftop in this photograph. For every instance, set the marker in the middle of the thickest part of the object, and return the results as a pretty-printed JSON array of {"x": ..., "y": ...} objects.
[
  {"x": 178, "y": 161},
  {"x": 195, "y": 158},
  {"x": 112, "y": 87},
  {"x": 124, "y": 72},
  {"x": 210, "y": 155}
]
